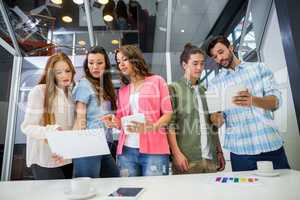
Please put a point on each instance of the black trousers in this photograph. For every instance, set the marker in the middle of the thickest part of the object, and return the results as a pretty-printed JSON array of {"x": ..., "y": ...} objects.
[{"x": 44, "y": 173}]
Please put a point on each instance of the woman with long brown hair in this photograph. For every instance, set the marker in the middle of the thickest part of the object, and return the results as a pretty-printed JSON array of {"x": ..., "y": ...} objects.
[
  {"x": 95, "y": 96},
  {"x": 144, "y": 151},
  {"x": 49, "y": 108}
]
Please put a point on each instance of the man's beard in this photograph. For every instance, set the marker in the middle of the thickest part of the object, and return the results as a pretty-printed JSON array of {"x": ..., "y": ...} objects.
[{"x": 230, "y": 61}]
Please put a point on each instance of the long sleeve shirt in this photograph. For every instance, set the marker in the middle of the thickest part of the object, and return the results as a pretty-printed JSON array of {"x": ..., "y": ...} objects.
[
  {"x": 37, "y": 150},
  {"x": 249, "y": 130}
]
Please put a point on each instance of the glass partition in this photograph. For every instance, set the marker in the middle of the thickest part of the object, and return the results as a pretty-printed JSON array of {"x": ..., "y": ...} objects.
[
  {"x": 5, "y": 73},
  {"x": 253, "y": 28},
  {"x": 42, "y": 28}
]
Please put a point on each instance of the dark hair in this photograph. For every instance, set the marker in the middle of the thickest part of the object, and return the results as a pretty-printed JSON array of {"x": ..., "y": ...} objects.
[
  {"x": 188, "y": 50},
  {"x": 136, "y": 58},
  {"x": 214, "y": 40},
  {"x": 105, "y": 81},
  {"x": 121, "y": 9}
]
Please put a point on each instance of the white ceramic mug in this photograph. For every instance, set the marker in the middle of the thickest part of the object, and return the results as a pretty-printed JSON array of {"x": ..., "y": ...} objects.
[
  {"x": 265, "y": 166},
  {"x": 81, "y": 185}
]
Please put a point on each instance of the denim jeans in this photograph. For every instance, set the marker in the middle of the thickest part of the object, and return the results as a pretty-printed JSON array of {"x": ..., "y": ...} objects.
[
  {"x": 91, "y": 167},
  {"x": 133, "y": 163}
]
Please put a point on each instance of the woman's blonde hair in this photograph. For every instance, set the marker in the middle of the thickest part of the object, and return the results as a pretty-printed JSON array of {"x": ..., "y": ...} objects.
[{"x": 48, "y": 78}]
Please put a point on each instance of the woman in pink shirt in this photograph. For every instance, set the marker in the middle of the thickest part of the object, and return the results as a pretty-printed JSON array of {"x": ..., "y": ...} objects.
[{"x": 143, "y": 150}]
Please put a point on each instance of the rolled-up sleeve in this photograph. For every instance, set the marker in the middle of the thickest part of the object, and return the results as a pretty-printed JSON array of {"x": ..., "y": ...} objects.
[
  {"x": 173, "y": 122},
  {"x": 270, "y": 86}
]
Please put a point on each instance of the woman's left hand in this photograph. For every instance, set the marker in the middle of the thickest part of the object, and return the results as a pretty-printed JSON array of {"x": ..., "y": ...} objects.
[{"x": 138, "y": 127}]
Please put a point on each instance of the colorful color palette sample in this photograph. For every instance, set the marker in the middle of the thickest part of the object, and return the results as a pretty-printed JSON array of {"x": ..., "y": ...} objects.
[{"x": 235, "y": 180}]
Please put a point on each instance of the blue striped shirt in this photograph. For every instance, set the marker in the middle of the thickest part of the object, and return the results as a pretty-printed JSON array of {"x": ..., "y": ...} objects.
[{"x": 249, "y": 130}]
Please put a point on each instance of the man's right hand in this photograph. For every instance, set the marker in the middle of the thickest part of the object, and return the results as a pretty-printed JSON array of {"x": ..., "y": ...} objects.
[
  {"x": 180, "y": 161},
  {"x": 217, "y": 119}
]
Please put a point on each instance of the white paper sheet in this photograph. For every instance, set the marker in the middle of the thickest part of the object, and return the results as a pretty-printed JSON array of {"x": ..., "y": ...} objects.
[
  {"x": 139, "y": 117},
  {"x": 214, "y": 101},
  {"x": 221, "y": 100},
  {"x": 78, "y": 143},
  {"x": 231, "y": 92}
]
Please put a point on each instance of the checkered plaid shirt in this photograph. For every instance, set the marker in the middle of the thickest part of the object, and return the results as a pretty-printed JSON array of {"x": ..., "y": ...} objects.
[{"x": 249, "y": 130}]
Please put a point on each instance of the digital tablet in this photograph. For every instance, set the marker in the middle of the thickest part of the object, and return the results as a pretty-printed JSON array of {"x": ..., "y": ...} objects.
[{"x": 126, "y": 193}]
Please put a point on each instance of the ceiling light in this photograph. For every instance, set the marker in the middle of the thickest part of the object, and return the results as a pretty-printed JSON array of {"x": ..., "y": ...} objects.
[
  {"x": 182, "y": 30},
  {"x": 103, "y": 2},
  {"x": 108, "y": 18},
  {"x": 81, "y": 42},
  {"x": 67, "y": 19},
  {"x": 115, "y": 42},
  {"x": 79, "y": 2},
  {"x": 57, "y": 1},
  {"x": 108, "y": 11}
]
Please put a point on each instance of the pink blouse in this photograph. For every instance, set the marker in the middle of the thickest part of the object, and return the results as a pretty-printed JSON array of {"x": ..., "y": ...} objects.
[{"x": 154, "y": 101}]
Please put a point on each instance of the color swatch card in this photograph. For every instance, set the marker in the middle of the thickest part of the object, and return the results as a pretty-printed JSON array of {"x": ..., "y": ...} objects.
[{"x": 236, "y": 180}]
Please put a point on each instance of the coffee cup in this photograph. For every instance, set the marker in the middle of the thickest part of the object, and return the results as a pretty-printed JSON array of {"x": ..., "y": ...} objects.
[
  {"x": 81, "y": 185},
  {"x": 265, "y": 166}
]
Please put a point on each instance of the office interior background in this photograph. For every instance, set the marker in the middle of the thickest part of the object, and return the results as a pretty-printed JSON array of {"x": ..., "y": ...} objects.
[{"x": 32, "y": 30}]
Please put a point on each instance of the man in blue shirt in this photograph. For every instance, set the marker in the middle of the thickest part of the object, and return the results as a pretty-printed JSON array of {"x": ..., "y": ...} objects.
[{"x": 250, "y": 132}]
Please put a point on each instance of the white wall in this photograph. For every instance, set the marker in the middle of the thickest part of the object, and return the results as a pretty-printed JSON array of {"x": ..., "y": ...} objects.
[{"x": 273, "y": 56}]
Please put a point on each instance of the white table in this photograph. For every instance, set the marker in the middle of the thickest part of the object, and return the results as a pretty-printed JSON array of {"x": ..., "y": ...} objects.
[{"x": 181, "y": 187}]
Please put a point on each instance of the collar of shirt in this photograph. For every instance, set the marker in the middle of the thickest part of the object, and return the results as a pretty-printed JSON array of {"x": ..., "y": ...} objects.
[
  {"x": 189, "y": 83},
  {"x": 226, "y": 71}
]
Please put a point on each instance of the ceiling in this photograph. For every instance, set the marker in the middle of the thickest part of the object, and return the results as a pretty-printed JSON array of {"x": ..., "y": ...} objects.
[{"x": 191, "y": 22}]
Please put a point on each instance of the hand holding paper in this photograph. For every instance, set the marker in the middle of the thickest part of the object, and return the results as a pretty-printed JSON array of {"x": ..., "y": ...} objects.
[
  {"x": 230, "y": 93},
  {"x": 230, "y": 97},
  {"x": 138, "y": 127},
  {"x": 134, "y": 123},
  {"x": 243, "y": 98}
]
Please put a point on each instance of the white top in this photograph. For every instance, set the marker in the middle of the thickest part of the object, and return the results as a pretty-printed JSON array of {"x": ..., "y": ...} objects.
[
  {"x": 178, "y": 187},
  {"x": 37, "y": 150},
  {"x": 133, "y": 139},
  {"x": 205, "y": 147}
]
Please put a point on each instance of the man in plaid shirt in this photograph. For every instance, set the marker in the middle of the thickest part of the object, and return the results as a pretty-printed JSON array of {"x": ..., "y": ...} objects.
[{"x": 250, "y": 132}]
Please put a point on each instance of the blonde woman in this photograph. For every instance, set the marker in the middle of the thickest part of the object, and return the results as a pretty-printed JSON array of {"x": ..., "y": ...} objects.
[{"x": 49, "y": 108}]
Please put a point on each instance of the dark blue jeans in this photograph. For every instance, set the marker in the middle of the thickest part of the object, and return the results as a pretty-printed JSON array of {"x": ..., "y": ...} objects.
[
  {"x": 97, "y": 166},
  {"x": 134, "y": 163},
  {"x": 91, "y": 167},
  {"x": 248, "y": 162}
]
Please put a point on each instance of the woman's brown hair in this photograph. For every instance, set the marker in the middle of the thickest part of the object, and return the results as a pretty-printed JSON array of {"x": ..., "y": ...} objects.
[
  {"x": 48, "y": 78},
  {"x": 136, "y": 58}
]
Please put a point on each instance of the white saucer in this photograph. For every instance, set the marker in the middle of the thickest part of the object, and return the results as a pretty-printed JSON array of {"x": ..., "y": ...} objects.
[
  {"x": 266, "y": 174},
  {"x": 88, "y": 195}
]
